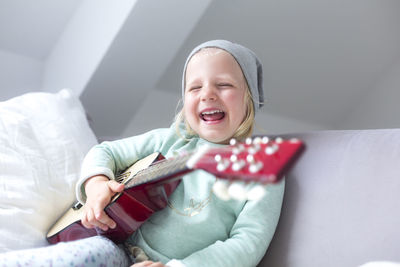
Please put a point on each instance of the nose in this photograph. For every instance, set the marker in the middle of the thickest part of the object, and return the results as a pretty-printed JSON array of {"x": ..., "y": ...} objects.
[{"x": 209, "y": 92}]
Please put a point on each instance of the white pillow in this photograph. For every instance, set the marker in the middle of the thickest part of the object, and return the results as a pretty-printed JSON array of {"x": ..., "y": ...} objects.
[{"x": 43, "y": 139}]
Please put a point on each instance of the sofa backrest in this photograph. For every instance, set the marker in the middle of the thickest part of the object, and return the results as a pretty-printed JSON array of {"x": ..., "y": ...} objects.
[{"x": 342, "y": 201}]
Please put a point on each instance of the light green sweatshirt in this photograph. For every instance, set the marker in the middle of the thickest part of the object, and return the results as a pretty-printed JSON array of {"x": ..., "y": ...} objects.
[{"x": 197, "y": 228}]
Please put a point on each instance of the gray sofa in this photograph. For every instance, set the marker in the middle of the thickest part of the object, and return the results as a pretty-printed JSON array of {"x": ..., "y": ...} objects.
[{"x": 342, "y": 202}]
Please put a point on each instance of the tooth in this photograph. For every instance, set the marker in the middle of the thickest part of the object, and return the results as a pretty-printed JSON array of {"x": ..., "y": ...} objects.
[{"x": 211, "y": 112}]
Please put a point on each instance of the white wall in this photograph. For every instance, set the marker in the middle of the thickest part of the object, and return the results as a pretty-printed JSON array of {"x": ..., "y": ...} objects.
[
  {"x": 83, "y": 43},
  {"x": 157, "y": 111},
  {"x": 141, "y": 52},
  {"x": 19, "y": 74},
  {"x": 380, "y": 108}
]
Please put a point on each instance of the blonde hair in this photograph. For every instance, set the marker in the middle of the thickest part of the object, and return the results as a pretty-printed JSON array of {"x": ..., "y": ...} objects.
[{"x": 244, "y": 130}]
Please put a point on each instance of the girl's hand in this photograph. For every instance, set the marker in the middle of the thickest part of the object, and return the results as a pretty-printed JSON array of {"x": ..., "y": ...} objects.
[
  {"x": 99, "y": 190},
  {"x": 148, "y": 264}
]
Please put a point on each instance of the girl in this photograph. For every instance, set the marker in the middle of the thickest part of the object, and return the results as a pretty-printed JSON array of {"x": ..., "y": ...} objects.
[
  {"x": 221, "y": 91},
  {"x": 220, "y": 81}
]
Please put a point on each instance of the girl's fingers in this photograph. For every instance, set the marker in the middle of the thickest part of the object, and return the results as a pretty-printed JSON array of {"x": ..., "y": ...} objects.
[
  {"x": 101, "y": 192},
  {"x": 89, "y": 221},
  {"x": 103, "y": 218},
  {"x": 115, "y": 186},
  {"x": 85, "y": 221},
  {"x": 96, "y": 222},
  {"x": 89, "y": 218}
]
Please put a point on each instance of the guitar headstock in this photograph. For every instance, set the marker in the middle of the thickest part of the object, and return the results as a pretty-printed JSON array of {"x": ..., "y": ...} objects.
[{"x": 261, "y": 159}]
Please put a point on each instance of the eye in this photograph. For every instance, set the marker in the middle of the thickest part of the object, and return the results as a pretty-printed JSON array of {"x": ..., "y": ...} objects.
[
  {"x": 225, "y": 85},
  {"x": 194, "y": 88}
]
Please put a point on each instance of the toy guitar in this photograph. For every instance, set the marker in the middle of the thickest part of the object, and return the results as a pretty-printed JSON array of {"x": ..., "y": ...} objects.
[{"x": 150, "y": 181}]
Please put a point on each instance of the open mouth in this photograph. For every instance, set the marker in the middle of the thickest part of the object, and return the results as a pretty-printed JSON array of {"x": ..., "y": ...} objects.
[{"x": 212, "y": 115}]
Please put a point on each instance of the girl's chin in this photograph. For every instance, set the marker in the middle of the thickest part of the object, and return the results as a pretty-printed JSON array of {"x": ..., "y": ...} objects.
[{"x": 218, "y": 138}]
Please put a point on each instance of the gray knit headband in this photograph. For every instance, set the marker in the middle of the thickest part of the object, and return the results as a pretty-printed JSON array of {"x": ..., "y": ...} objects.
[{"x": 248, "y": 62}]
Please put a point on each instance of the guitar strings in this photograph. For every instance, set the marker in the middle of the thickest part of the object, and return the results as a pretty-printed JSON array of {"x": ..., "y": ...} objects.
[
  {"x": 158, "y": 170},
  {"x": 165, "y": 167}
]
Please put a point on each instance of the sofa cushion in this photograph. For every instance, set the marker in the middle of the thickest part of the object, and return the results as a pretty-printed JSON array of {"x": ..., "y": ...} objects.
[{"x": 342, "y": 201}]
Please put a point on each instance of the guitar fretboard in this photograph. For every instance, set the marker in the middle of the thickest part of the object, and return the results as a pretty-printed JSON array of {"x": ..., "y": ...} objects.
[{"x": 159, "y": 170}]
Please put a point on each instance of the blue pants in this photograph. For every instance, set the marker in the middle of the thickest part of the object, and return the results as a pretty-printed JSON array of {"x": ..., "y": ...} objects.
[{"x": 93, "y": 251}]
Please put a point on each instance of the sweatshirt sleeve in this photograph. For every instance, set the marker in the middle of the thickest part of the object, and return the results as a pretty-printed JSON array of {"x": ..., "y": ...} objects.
[
  {"x": 250, "y": 235},
  {"x": 109, "y": 158}
]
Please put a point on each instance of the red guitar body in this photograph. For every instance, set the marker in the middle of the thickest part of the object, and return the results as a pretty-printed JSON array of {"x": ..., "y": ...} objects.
[{"x": 130, "y": 210}]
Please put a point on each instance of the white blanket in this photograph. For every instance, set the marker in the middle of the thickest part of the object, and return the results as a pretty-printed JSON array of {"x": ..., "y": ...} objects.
[{"x": 43, "y": 139}]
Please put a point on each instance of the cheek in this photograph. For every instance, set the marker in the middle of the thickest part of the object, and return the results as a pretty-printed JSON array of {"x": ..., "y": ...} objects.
[
  {"x": 238, "y": 104},
  {"x": 188, "y": 107}
]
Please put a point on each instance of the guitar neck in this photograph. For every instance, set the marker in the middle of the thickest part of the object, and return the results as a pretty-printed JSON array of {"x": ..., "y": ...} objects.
[
  {"x": 259, "y": 160},
  {"x": 165, "y": 169}
]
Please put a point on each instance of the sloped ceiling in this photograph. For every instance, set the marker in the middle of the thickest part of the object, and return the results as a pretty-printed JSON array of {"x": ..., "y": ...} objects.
[{"x": 31, "y": 28}]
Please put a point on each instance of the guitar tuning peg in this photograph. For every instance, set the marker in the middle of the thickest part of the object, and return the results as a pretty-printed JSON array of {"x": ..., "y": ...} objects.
[
  {"x": 265, "y": 140},
  {"x": 237, "y": 191},
  {"x": 220, "y": 189},
  {"x": 256, "y": 193},
  {"x": 255, "y": 167},
  {"x": 233, "y": 142},
  {"x": 257, "y": 140},
  {"x": 254, "y": 149},
  {"x": 269, "y": 150},
  {"x": 238, "y": 165},
  {"x": 248, "y": 141},
  {"x": 238, "y": 149},
  {"x": 250, "y": 158},
  {"x": 223, "y": 164}
]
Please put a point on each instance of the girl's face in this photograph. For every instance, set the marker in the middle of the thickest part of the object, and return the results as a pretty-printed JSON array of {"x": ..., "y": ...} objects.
[{"x": 215, "y": 89}]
